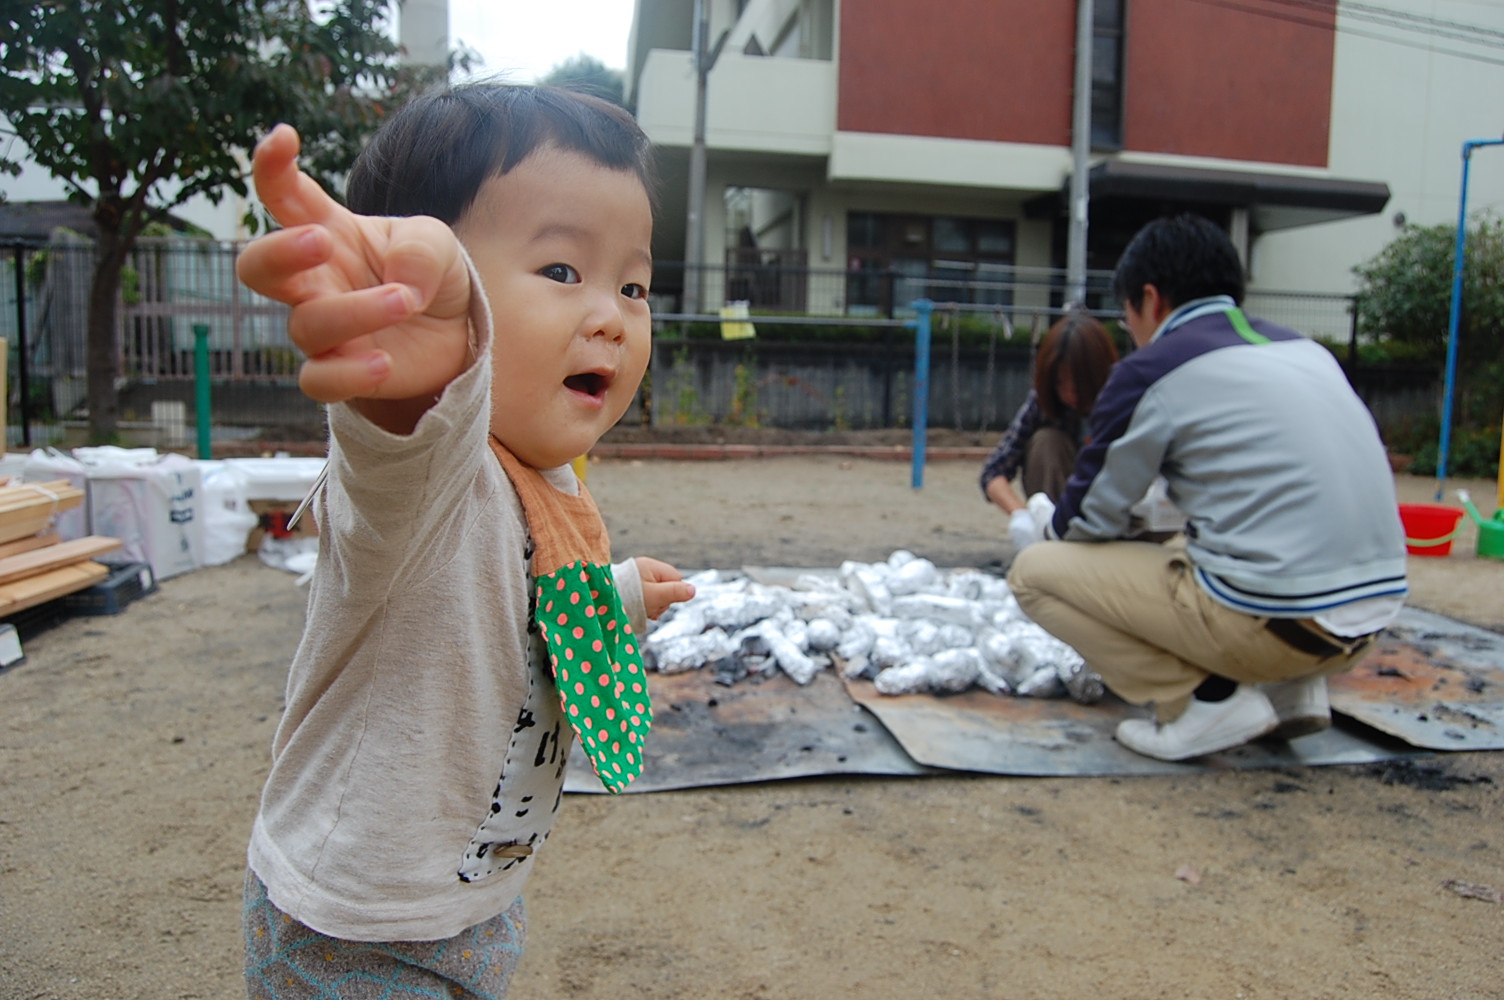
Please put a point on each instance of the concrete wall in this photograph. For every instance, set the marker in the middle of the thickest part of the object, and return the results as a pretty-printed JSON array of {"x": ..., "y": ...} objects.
[{"x": 862, "y": 386}]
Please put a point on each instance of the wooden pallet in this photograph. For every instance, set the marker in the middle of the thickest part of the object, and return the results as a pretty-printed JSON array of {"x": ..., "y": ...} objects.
[{"x": 35, "y": 565}]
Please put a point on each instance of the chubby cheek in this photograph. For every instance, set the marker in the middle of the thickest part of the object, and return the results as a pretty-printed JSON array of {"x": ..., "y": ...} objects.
[
  {"x": 511, "y": 392},
  {"x": 639, "y": 350}
]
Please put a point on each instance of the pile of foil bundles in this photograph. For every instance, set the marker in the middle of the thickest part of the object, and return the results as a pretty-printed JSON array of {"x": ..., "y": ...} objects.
[{"x": 905, "y": 624}]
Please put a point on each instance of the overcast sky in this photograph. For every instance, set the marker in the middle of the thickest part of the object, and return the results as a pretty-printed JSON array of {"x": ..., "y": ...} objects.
[{"x": 524, "y": 39}]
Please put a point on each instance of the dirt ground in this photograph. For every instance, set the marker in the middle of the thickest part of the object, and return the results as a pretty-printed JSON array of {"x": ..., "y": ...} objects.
[{"x": 133, "y": 747}]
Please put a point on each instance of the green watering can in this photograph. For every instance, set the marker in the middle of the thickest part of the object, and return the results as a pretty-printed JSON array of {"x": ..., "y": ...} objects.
[{"x": 1490, "y": 533}]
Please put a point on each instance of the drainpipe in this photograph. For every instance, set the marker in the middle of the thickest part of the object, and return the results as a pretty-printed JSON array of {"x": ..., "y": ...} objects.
[
  {"x": 1075, "y": 249},
  {"x": 694, "y": 228},
  {"x": 694, "y": 233}
]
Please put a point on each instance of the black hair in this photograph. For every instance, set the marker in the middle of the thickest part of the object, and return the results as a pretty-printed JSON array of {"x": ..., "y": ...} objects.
[
  {"x": 1185, "y": 257},
  {"x": 433, "y": 155}
]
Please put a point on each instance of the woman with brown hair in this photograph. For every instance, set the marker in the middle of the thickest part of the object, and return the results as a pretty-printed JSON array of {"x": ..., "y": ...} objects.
[{"x": 1040, "y": 444}]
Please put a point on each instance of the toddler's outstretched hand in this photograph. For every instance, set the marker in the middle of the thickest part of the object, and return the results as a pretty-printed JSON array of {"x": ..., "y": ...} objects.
[
  {"x": 379, "y": 306},
  {"x": 662, "y": 585}
]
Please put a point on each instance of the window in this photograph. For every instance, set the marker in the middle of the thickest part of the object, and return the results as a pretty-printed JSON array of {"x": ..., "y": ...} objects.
[
  {"x": 1107, "y": 75},
  {"x": 951, "y": 236},
  {"x": 895, "y": 259},
  {"x": 765, "y": 264}
]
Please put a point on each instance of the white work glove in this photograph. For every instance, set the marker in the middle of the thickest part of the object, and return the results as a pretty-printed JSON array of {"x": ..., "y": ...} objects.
[
  {"x": 1042, "y": 510},
  {"x": 1022, "y": 529}
]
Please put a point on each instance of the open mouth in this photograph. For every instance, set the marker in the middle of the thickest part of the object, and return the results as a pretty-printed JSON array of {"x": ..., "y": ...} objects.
[{"x": 589, "y": 383}]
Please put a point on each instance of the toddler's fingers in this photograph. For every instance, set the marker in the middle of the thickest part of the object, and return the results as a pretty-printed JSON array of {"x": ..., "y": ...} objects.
[
  {"x": 424, "y": 252},
  {"x": 666, "y": 596},
  {"x": 291, "y": 196},
  {"x": 323, "y": 324},
  {"x": 656, "y": 569},
  {"x": 277, "y": 264},
  {"x": 336, "y": 377},
  {"x": 659, "y": 594}
]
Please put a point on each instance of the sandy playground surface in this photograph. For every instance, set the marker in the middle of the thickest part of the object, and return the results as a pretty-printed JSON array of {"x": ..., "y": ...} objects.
[{"x": 132, "y": 750}]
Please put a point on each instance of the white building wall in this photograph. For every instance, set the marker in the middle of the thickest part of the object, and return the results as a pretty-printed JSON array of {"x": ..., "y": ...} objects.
[
  {"x": 867, "y": 156},
  {"x": 1403, "y": 102},
  {"x": 752, "y": 103}
]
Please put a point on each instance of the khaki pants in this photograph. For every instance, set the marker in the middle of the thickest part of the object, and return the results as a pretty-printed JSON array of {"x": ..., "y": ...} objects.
[{"x": 1135, "y": 613}]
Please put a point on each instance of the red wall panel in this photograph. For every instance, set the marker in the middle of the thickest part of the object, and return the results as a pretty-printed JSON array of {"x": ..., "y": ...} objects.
[
  {"x": 1245, "y": 81},
  {"x": 1229, "y": 79},
  {"x": 997, "y": 70}
]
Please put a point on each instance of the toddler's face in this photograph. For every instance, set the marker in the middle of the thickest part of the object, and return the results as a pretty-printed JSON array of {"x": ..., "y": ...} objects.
[{"x": 563, "y": 247}]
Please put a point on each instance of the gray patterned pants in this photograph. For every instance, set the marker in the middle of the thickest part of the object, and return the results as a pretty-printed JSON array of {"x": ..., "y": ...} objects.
[{"x": 284, "y": 960}]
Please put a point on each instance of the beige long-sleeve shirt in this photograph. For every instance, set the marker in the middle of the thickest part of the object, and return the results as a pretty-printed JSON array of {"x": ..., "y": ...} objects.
[{"x": 419, "y": 763}]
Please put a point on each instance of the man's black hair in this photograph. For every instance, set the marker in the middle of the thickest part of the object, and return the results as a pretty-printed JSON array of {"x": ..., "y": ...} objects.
[
  {"x": 433, "y": 155},
  {"x": 1185, "y": 257}
]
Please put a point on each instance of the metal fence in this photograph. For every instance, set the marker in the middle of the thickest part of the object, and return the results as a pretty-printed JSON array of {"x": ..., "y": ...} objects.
[
  {"x": 1331, "y": 318},
  {"x": 778, "y": 282},
  {"x": 169, "y": 289},
  {"x": 832, "y": 350}
]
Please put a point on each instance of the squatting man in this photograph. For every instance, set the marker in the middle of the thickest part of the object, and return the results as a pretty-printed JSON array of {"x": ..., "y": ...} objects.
[{"x": 1292, "y": 557}]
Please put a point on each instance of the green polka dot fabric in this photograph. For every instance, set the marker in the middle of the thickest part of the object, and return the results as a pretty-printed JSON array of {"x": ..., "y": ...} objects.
[
  {"x": 596, "y": 661},
  {"x": 597, "y": 666}
]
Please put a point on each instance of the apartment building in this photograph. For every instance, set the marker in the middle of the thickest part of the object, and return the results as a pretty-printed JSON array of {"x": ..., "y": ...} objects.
[{"x": 935, "y": 139}]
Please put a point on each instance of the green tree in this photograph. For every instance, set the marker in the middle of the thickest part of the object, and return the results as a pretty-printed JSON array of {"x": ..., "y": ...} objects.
[
  {"x": 587, "y": 74},
  {"x": 137, "y": 106},
  {"x": 1405, "y": 295}
]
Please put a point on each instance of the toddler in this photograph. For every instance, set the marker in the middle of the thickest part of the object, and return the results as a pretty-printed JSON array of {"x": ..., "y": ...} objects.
[{"x": 476, "y": 318}]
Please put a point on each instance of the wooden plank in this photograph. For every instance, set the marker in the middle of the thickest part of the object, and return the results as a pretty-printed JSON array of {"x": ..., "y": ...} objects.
[
  {"x": 45, "y": 508},
  {"x": 40, "y": 503},
  {"x": 59, "y": 493},
  {"x": 16, "y": 528},
  {"x": 53, "y": 485},
  {"x": 77, "y": 550},
  {"x": 28, "y": 544},
  {"x": 28, "y": 509},
  {"x": 34, "y": 590}
]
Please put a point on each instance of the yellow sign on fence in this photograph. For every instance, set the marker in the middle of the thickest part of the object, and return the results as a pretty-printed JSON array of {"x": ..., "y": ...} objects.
[{"x": 731, "y": 312}]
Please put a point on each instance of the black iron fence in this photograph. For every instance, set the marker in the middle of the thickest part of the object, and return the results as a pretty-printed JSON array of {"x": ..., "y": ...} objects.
[{"x": 832, "y": 348}]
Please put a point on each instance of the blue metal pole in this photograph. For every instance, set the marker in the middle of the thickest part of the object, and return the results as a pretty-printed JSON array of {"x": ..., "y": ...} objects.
[
  {"x": 922, "y": 311},
  {"x": 1455, "y": 316}
]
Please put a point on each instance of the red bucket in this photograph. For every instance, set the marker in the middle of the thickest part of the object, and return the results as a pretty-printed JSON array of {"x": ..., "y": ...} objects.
[{"x": 1429, "y": 528}]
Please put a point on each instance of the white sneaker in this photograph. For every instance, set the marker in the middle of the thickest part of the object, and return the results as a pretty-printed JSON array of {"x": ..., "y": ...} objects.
[
  {"x": 1204, "y": 727},
  {"x": 1301, "y": 705}
]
